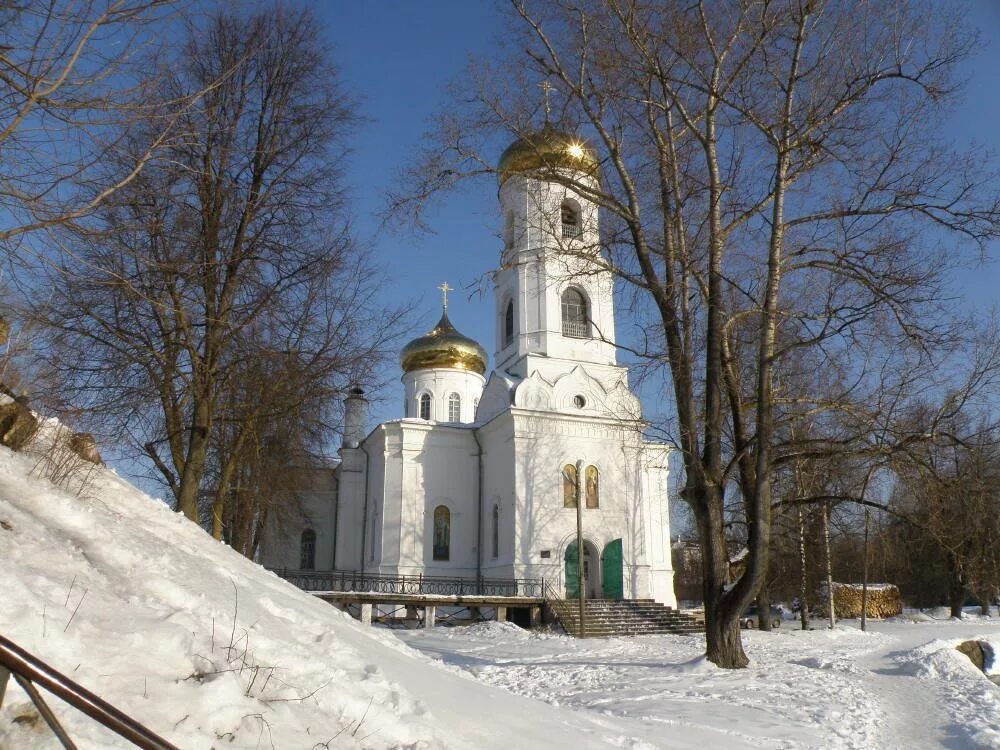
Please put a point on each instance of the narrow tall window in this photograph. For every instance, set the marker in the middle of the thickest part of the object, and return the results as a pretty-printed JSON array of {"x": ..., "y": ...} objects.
[
  {"x": 454, "y": 408},
  {"x": 593, "y": 486},
  {"x": 307, "y": 550},
  {"x": 569, "y": 486},
  {"x": 508, "y": 229},
  {"x": 442, "y": 533},
  {"x": 574, "y": 314},
  {"x": 496, "y": 531},
  {"x": 508, "y": 324},
  {"x": 570, "y": 212},
  {"x": 425, "y": 406}
]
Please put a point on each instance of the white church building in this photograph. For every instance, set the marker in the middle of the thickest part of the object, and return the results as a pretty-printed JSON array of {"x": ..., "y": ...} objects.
[{"x": 482, "y": 474}]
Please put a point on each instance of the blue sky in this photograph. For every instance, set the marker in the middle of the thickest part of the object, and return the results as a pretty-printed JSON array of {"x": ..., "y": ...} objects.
[{"x": 399, "y": 56}]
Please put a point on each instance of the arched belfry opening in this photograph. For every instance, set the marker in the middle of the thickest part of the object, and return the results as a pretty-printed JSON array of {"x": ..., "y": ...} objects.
[
  {"x": 575, "y": 314},
  {"x": 571, "y": 218},
  {"x": 508, "y": 324}
]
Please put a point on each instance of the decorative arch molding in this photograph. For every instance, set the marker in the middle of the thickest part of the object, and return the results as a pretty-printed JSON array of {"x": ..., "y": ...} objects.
[
  {"x": 578, "y": 382},
  {"x": 535, "y": 392},
  {"x": 497, "y": 397},
  {"x": 623, "y": 403}
]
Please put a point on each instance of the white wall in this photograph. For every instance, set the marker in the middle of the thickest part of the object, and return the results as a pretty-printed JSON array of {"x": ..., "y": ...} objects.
[
  {"x": 538, "y": 265},
  {"x": 440, "y": 383}
]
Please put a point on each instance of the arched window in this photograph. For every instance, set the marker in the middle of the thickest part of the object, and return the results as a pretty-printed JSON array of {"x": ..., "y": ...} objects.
[
  {"x": 475, "y": 407},
  {"x": 425, "y": 406},
  {"x": 496, "y": 531},
  {"x": 574, "y": 314},
  {"x": 508, "y": 324},
  {"x": 593, "y": 485},
  {"x": 307, "y": 550},
  {"x": 454, "y": 408},
  {"x": 569, "y": 486},
  {"x": 442, "y": 533},
  {"x": 571, "y": 225}
]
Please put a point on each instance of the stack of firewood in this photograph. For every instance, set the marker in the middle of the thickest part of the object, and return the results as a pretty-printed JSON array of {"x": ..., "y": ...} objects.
[{"x": 883, "y": 600}]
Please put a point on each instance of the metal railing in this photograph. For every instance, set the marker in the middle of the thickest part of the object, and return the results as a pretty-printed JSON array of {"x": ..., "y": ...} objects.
[
  {"x": 336, "y": 580},
  {"x": 29, "y": 671}
]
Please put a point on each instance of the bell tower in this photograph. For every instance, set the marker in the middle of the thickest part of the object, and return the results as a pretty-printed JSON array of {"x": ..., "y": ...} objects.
[{"x": 554, "y": 307}]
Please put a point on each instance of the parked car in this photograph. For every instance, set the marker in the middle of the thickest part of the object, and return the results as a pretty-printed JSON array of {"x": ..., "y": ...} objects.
[{"x": 749, "y": 619}]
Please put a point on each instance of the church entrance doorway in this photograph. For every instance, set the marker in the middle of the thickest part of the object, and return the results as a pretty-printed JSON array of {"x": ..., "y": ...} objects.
[
  {"x": 611, "y": 571},
  {"x": 591, "y": 571}
]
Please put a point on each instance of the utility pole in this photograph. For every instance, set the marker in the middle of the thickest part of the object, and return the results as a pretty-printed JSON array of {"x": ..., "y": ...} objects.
[{"x": 579, "y": 546}]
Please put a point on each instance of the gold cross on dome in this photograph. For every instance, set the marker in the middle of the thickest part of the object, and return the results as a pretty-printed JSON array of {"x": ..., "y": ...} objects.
[
  {"x": 546, "y": 88},
  {"x": 444, "y": 295}
]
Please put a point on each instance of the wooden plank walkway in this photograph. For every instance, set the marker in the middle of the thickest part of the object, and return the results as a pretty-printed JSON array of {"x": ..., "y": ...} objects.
[{"x": 429, "y": 603}]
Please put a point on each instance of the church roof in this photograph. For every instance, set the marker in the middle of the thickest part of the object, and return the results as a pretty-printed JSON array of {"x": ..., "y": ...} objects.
[
  {"x": 549, "y": 149},
  {"x": 443, "y": 346}
]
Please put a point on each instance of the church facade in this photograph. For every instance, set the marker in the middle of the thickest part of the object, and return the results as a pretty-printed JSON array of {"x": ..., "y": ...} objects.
[{"x": 483, "y": 474}]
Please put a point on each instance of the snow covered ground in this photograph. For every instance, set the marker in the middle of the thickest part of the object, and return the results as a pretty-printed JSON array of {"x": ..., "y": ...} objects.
[
  {"x": 901, "y": 685},
  {"x": 212, "y": 651}
]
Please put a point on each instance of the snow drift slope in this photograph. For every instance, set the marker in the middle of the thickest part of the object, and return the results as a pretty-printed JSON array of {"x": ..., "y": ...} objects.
[{"x": 210, "y": 650}]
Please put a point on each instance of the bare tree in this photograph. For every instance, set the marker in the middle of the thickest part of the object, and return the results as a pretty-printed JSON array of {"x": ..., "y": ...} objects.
[
  {"x": 233, "y": 247},
  {"x": 772, "y": 167},
  {"x": 72, "y": 75},
  {"x": 948, "y": 492}
]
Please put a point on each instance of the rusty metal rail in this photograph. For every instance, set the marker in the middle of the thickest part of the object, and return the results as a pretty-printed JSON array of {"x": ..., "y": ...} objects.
[{"x": 29, "y": 671}]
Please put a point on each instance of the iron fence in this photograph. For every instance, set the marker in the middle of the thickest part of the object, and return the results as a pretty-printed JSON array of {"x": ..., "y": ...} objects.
[{"x": 336, "y": 580}]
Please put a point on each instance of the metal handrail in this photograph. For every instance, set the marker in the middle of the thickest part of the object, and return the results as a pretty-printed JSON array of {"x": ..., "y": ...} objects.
[
  {"x": 562, "y": 610},
  {"x": 338, "y": 580},
  {"x": 29, "y": 669}
]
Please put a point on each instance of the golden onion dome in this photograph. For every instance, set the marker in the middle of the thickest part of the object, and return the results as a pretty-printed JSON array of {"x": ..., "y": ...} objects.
[
  {"x": 443, "y": 346},
  {"x": 547, "y": 149}
]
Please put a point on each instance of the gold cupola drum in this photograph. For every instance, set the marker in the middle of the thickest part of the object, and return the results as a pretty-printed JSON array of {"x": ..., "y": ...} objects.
[{"x": 443, "y": 347}]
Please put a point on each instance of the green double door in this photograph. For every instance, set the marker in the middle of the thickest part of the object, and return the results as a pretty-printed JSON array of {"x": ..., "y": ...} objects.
[{"x": 611, "y": 571}]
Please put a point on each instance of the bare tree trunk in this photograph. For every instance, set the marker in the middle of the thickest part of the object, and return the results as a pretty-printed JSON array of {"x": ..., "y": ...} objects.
[
  {"x": 831, "y": 610},
  {"x": 864, "y": 576},
  {"x": 803, "y": 601},
  {"x": 956, "y": 586},
  {"x": 764, "y": 609},
  {"x": 723, "y": 645}
]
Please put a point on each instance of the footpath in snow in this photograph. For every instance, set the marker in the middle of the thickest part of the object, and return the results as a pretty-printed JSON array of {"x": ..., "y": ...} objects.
[{"x": 900, "y": 685}]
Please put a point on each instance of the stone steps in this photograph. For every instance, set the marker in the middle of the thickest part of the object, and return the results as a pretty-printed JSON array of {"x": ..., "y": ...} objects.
[{"x": 608, "y": 617}]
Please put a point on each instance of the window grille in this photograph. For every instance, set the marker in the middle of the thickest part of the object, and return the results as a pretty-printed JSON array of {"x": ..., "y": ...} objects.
[
  {"x": 574, "y": 314},
  {"x": 307, "y": 550}
]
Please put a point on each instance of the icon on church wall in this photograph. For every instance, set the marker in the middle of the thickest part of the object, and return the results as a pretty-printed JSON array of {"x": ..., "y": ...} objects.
[
  {"x": 442, "y": 533},
  {"x": 593, "y": 487},
  {"x": 569, "y": 486}
]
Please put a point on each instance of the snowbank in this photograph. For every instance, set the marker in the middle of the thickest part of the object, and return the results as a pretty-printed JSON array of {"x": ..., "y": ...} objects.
[{"x": 208, "y": 649}]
